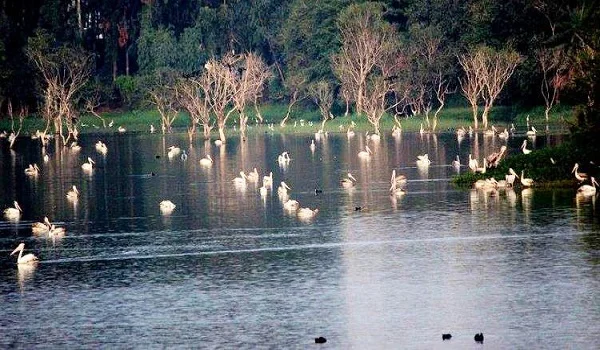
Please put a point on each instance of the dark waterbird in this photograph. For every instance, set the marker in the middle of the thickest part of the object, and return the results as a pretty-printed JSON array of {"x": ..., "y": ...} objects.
[
  {"x": 446, "y": 336},
  {"x": 320, "y": 340},
  {"x": 479, "y": 337}
]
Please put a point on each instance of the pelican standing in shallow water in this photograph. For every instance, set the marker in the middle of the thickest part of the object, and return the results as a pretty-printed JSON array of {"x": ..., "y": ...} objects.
[
  {"x": 32, "y": 170},
  {"x": 283, "y": 189},
  {"x": 240, "y": 180},
  {"x": 253, "y": 176},
  {"x": 473, "y": 163},
  {"x": 73, "y": 194},
  {"x": 510, "y": 178},
  {"x": 291, "y": 205},
  {"x": 89, "y": 165},
  {"x": 207, "y": 161},
  {"x": 349, "y": 181},
  {"x": 13, "y": 214},
  {"x": 579, "y": 176},
  {"x": 173, "y": 152},
  {"x": 366, "y": 154},
  {"x": 313, "y": 147},
  {"x": 167, "y": 207},
  {"x": 101, "y": 147},
  {"x": 24, "y": 259},
  {"x": 526, "y": 182},
  {"x": 524, "y": 147},
  {"x": 423, "y": 160}
]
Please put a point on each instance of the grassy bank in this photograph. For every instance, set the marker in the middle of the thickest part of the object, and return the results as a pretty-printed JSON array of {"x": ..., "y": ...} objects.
[{"x": 449, "y": 120}]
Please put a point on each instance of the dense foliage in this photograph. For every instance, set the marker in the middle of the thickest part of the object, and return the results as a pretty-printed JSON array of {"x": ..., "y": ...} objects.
[{"x": 134, "y": 41}]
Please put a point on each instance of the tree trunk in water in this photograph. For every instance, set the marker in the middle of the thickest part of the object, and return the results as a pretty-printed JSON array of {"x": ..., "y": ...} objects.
[
  {"x": 222, "y": 131},
  {"x": 475, "y": 122},
  {"x": 484, "y": 115},
  {"x": 243, "y": 121},
  {"x": 206, "y": 131}
]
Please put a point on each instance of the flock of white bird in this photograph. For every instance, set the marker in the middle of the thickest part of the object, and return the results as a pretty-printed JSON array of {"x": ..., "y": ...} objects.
[{"x": 292, "y": 206}]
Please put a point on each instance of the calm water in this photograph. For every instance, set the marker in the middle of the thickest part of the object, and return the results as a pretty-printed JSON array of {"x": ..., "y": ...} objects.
[{"x": 229, "y": 269}]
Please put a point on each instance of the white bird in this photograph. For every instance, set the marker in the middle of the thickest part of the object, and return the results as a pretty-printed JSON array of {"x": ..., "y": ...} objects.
[
  {"x": 24, "y": 259},
  {"x": 152, "y": 129},
  {"x": 524, "y": 147},
  {"x": 173, "y": 151},
  {"x": 283, "y": 189},
  {"x": 56, "y": 232},
  {"x": 526, "y": 182},
  {"x": 75, "y": 147},
  {"x": 532, "y": 132},
  {"x": 73, "y": 194},
  {"x": 456, "y": 162},
  {"x": 589, "y": 190},
  {"x": 101, "y": 147},
  {"x": 398, "y": 180},
  {"x": 121, "y": 129},
  {"x": 349, "y": 181},
  {"x": 263, "y": 191},
  {"x": 206, "y": 161},
  {"x": 46, "y": 158},
  {"x": 579, "y": 176},
  {"x": 375, "y": 137},
  {"x": 396, "y": 131},
  {"x": 13, "y": 214},
  {"x": 473, "y": 163},
  {"x": 350, "y": 132},
  {"x": 39, "y": 228},
  {"x": 112, "y": 122},
  {"x": 218, "y": 142},
  {"x": 366, "y": 154},
  {"x": 253, "y": 176},
  {"x": 167, "y": 207},
  {"x": 88, "y": 166},
  {"x": 32, "y": 170},
  {"x": 291, "y": 205},
  {"x": 241, "y": 180},
  {"x": 510, "y": 178},
  {"x": 268, "y": 180},
  {"x": 284, "y": 158},
  {"x": 423, "y": 160},
  {"x": 307, "y": 213},
  {"x": 503, "y": 135},
  {"x": 312, "y": 146}
]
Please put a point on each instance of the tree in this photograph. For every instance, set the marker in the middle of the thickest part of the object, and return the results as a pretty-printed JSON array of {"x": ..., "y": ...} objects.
[
  {"x": 191, "y": 97},
  {"x": 163, "y": 94},
  {"x": 365, "y": 38},
  {"x": 64, "y": 71},
  {"x": 322, "y": 95},
  {"x": 472, "y": 82},
  {"x": 218, "y": 89},
  {"x": 553, "y": 64}
]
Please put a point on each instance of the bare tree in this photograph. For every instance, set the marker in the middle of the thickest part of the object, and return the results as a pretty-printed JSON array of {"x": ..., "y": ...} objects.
[
  {"x": 365, "y": 38},
  {"x": 472, "y": 83},
  {"x": 216, "y": 83},
  {"x": 322, "y": 95},
  {"x": 91, "y": 104},
  {"x": 294, "y": 84},
  {"x": 65, "y": 70},
  {"x": 191, "y": 97},
  {"x": 164, "y": 98},
  {"x": 442, "y": 88},
  {"x": 22, "y": 115},
  {"x": 554, "y": 75}
]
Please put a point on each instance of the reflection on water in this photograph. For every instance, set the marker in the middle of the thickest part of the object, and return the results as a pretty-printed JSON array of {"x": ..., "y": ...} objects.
[{"x": 232, "y": 267}]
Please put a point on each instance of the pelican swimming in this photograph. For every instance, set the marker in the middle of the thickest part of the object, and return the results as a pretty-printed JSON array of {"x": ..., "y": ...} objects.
[
  {"x": 253, "y": 176},
  {"x": 73, "y": 194},
  {"x": 13, "y": 214},
  {"x": 206, "y": 161},
  {"x": 579, "y": 176},
  {"x": 39, "y": 228},
  {"x": 283, "y": 189},
  {"x": 526, "y": 182},
  {"x": 349, "y": 181},
  {"x": 524, "y": 147},
  {"x": 32, "y": 170},
  {"x": 423, "y": 160},
  {"x": 173, "y": 151},
  {"x": 167, "y": 207},
  {"x": 366, "y": 154},
  {"x": 283, "y": 158},
  {"x": 503, "y": 135},
  {"x": 589, "y": 190},
  {"x": 374, "y": 137},
  {"x": 291, "y": 205},
  {"x": 307, "y": 213},
  {"x": 240, "y": 180},
  {"x": 56, "y": 232},
  {"x": 88, "y": 166},
  {"x": 24, "y": 259},
  {"x": 399, "y": 180},
  {"x": 456, "y": 162},
  {"x": 101, "y": 147}
]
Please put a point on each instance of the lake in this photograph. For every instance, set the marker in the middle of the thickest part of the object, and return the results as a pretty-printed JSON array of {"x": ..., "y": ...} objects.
[{"x": 229, "y": 268}]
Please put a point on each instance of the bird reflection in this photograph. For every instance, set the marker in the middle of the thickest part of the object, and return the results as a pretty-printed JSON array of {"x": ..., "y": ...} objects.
[{"x": 24, "y": 274}]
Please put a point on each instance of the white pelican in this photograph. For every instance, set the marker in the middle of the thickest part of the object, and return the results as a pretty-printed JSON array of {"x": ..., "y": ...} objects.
[
  {"x": 73, "y": 194},
  {"x": 307, "y": 213},
  {"x": 532, "y": 132},
  {"x": 24, "y": 259},
  {"x": 32, "y": 170},
  {"x": 503, "y": 135},
  {"x": 283, "y": 189},
  {"x": 46, "y": 158},
  {"x": 456, "y": 162},
  {"x": 75, "y": 147},
  {"x": 473, "y": 163},
  {"x": 56, "y": 232},
  {"x": 526, "y": 182},
  {"x": 173, "y": 151},
  {"x": 291, "y": 205},
  {"x": 284, "y": 158},
  {"x": 524, "y": 147},
  {"x": 167, "y": 207},
  {"x": 206, "y": 161},
  {"x": 494, "y": 159},
  {"x": 375, "y": 137},
  {"x": 88, "y": 166},
  {"x": 483, "y": 169},
  {"x": 312, "y": 146},
  {"x": 13, "y": 214},
  {"x": 589, "y": 190},
  {"x": 398, "y": 180},
  {"x": 263, "y": 191},
  {"x": 241, "y": 180},
  {"x": 366, "y": 154},
  {"x": 101, "y": 147},
  {"x": 112, "y": 122},
  {"x": 510, "y": 178},
  {"x": 348, "y": 181},
  {"x": 268, "y": 180},
  {"x": 121, "y": 129},
  {"x": 579, "y": 176},
  {"x": 39, "y": 228},
  {"x": 253, "y": 176},
  {"x": 152, "y": 129},
  {"x": 490, "y": 132},
  {"x": 350, "y": 132},
  {"x": 218, "y": 142},
  {"x": 423, "y": 160}
]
